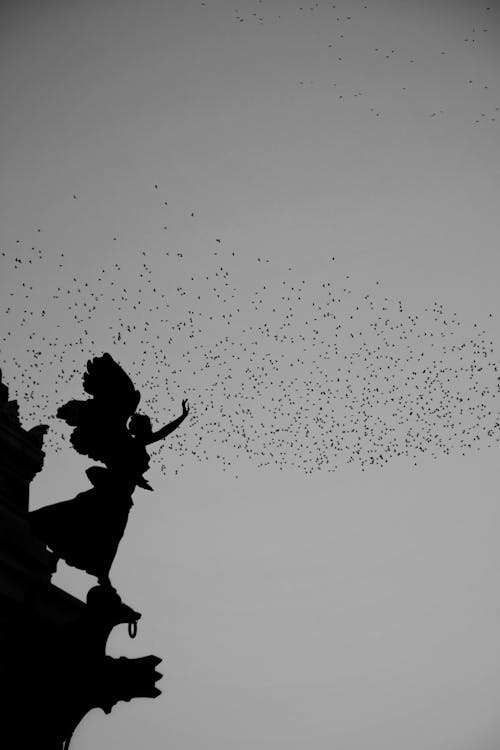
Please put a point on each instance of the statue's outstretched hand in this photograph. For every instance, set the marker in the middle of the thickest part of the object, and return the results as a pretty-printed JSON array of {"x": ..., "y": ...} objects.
[{"x": 185, "y": 407}]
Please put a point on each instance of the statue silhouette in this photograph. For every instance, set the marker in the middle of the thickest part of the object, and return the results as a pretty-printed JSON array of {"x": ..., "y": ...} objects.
[{"x": 86, "y": 530}]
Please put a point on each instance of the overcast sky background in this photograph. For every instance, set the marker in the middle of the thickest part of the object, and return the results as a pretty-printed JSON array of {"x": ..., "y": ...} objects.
[{"x": 340, "y": 608}]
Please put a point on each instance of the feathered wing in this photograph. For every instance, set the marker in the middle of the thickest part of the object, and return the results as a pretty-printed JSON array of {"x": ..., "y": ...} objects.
[
  {"x": 100, "y": 422},
  {"x": 106, "y": 381}
]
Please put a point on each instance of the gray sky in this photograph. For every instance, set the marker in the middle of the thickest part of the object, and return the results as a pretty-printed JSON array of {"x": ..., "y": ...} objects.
[{"x": 349, "y": 602}]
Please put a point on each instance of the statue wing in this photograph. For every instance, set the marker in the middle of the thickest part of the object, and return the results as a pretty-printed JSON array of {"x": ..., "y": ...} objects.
[
  {"x": 100, "y": 422},
  {"x": 110, "y": 385}
]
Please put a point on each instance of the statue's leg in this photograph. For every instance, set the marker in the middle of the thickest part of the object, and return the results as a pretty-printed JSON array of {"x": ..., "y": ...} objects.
[
  {"x": 53, "y": 560},
  {"x": 104, "y": 581}
]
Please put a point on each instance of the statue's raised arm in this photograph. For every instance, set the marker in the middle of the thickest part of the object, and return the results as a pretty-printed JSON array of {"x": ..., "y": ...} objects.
[{"x": 170, "y": 427}]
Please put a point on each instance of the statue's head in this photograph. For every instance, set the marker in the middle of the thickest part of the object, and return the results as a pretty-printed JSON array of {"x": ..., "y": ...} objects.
[{"x": 139, "y": 425}]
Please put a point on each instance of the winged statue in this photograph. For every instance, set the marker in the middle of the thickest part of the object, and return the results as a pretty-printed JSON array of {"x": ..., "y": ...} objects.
[
  {"x": 86, "y": 530},
  {"x": 100, "y": 423}
]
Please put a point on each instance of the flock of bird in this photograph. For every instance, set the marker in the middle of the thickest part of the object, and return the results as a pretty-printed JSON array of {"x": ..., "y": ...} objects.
[
  {"x": 347, "y": 21},
  {"x": 288, "y": 371}
]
